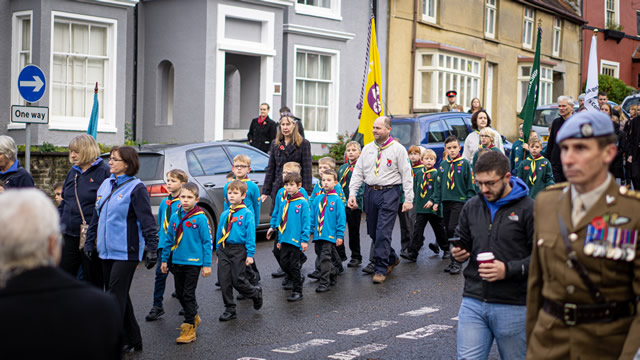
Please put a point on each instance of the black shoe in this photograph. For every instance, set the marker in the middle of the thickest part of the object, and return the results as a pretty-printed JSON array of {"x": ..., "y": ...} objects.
[
  {"x": 340, "y": 270},
  {"x": 173, "y": 294},
  {"x": 241, "y": 297},
  {"x": 409, "y": 255},
  {"x": 333, "y": 281},
  {"x": 287, "y": 284},
  {"x": 354, "y": 263},
  {"x": 257, "y": 300},
  {"x": 454, "y": 268},
  {"x": 404, "y": 254},
  {"x": 369, "y": 269},
  {"x": 315, "y": 275},
  {"x": 295, "y": 296},
  {"x": 131, "y": 348},
  {"x": 433, "y": 247},
  {"x": 323, "y": 288},
  {"x": 217, "y": 284},
  {"x": 181, "y": 313},
  {"x": 278, "y": 273},
  {"x": 446, "y": 255},
  {"x": 227, "y": 315},
  {"x": 154, "y": 314}
]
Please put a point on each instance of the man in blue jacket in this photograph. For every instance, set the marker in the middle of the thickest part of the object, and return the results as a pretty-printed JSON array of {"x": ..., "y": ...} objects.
[{"x": 498, "y": 225}]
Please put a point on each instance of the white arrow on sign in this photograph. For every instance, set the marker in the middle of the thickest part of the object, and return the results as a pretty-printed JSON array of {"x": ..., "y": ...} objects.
[{"x": 36, "y": 83}]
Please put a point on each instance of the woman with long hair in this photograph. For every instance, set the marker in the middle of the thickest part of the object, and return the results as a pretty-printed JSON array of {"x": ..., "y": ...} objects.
[
  {"x": 617, "y": 165},
  {"x": 479, "y": 120},
  {"x": 475, "y": 106}
]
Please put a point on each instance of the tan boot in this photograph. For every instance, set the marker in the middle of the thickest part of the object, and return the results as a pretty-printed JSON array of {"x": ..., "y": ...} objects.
[
  {"x": 197, "y": 321},
  {"x": 187, "y": 334}
]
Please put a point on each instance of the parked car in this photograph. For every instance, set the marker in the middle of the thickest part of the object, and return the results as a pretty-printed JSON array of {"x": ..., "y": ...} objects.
[
  {"x": 207, "y": 165},
  {"x": 545, "y": 114},
  {"x": 430, "y": 130}
]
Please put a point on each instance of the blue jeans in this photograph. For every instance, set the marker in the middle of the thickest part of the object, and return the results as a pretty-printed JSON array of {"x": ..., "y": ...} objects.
[
  {"x": 159, "y": 286},
  {"x": 480, "y": 322}
]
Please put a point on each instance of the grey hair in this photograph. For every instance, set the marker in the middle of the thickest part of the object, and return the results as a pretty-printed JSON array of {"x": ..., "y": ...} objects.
[
  {"x": 28, "y": 220},
  {"x": 8, "y": 147},
  {"x": 568, "y": 98}
]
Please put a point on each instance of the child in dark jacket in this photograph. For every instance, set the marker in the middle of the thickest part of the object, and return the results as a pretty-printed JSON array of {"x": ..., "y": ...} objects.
[{"x": 535, "y": 170}]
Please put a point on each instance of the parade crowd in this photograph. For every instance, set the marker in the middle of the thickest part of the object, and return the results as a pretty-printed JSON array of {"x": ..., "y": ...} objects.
[{"x": 549, "y": 236}]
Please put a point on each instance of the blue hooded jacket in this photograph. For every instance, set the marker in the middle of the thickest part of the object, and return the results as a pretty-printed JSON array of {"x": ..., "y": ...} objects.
[{"x": 518, "y": 190}]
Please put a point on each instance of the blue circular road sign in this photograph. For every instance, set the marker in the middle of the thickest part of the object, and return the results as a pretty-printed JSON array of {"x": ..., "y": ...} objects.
[{"x": 32, "y": 83}]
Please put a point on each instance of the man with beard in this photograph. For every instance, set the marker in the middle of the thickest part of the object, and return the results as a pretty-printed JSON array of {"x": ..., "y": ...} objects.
[{"x": 495, "y": 231}]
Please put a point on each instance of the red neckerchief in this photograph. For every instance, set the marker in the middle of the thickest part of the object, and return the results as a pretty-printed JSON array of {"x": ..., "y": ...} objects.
[
  {"x": 451, "y": 170},
  {"x": 196, "y": 210},
  {"x": 285, "y": 211},
  {"x": 343, "y": 178},
  {"x": 261, "y": 120},
  {"x": 322, "y": 206}
]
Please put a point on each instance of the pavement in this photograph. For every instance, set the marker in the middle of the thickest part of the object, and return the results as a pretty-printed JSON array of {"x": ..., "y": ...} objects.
[{"x": 413, "y": 315}]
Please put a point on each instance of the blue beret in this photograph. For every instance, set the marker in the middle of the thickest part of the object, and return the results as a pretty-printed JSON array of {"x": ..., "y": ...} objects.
[
  {"x": 584, "y": 125},
  {"x": 582, "y": 96}
]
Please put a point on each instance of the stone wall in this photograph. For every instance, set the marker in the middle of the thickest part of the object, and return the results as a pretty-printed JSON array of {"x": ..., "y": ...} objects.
[{"x": 47, "y": 169}]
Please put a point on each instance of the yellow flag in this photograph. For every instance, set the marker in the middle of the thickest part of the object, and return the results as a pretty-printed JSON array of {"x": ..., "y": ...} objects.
[{"x": 372, "y": 105}]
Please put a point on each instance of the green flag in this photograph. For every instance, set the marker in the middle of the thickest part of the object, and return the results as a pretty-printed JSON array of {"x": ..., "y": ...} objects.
[{"x": 529, "y": 108}]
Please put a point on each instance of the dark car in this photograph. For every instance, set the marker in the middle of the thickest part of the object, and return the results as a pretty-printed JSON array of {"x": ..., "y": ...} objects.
[
  {"x": 207, "y": 165},
  {"x": 430, "y": 130}
]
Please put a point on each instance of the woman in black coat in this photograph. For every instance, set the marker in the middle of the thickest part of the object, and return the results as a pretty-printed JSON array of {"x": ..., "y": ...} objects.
[
  {"x": 85, "y": 177},
  {"x": 617, "y": 166}
]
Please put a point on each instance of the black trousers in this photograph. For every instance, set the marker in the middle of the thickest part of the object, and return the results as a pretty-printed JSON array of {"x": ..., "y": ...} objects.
[
  {"x": 291, "y": 262},
  {"x": 118, "y": 275},
  {"x": 328, "y": 261},
  {"x": 72, "y": 259},
  {"x": 451, "y": 212},
  {"x": 232, "y": 274},
  {"x": 353, "y": 225},
  {"x": 407, "y": 223},
  {"x": 252, "y": 273},
  {"x": 186, "y": 280},
  {"x": 438, "y": 229}
]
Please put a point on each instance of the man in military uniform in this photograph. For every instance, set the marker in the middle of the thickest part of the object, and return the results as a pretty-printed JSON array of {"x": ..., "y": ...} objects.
[
  {"x": 451, "y": 97},
  {"x": 584, "y": 277}
]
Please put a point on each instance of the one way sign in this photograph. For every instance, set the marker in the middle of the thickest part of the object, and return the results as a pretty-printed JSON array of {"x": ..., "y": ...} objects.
[{"x": 31, "y": 83}]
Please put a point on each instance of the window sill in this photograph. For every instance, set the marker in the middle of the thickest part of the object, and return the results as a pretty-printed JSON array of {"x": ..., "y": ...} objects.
[
  {"x": 429, "y": 23},
  {"x": 74, "y": 127},
  {"x": 321, "y": 13},
  {"x": 491, "y": 39}
]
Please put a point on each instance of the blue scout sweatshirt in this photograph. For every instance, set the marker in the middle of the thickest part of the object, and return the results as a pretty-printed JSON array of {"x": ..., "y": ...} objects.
[
  {"x": 298, "y": 225},
  {"x": 335, "y": 218},
  {"x": 124, "y": 227},
  {"x": 280, "y": 197},
  {"x": 252, "y": 200},
  {"x": 196, "y": 247},
  {"x": 173, "y": 204},
  {"x": 88, "y": 183},
  {"x": 243, "y": 230},
  {"x": 317, "y": 190},
  {"x": 16, "y": 177}
]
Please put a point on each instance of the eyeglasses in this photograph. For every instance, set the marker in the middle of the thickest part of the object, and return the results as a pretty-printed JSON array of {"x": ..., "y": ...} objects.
[
  {"x": 489, "y": 184},
  {"x": 114, "y": 159},
  {"x": 240, "y": 166}
]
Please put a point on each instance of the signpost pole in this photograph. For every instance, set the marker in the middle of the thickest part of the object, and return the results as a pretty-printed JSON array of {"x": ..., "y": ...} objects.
[{"x": 27, "y": 149}]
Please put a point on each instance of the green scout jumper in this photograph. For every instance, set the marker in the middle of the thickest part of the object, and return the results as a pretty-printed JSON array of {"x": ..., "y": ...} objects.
[
  {"x": 424, "y": 185},
  {"x": 456, "y": 185},
  {"x": 536, "y": 173},
  {"x": 517, "y": 154},
  {"x": 344, "y": 178}
]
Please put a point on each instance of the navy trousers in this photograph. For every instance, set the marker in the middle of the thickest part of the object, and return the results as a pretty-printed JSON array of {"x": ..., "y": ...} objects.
[{"x": 382, "y": 208}]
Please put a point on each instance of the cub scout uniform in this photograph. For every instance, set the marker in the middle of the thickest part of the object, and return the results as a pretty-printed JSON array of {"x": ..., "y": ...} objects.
[
  {"x": 291, "y": 218},
  {"x": 517, "y": 155},
  {"x": 189, "y": 239},
  {"x": 317, "y": 190},
  {"x": 536, "y": 173},
  {"x": 252, "y": 200},
  {"x": 242, "y": 229},
  {"x": 168, "y": 207},
  {"x": 424, "y": 189},
  {"x": 455, "y": 181},
  {"x": 344, "y": 179}
]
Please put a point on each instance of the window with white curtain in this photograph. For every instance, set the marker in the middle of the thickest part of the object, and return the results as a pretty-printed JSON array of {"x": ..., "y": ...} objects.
[
  {"x": 557, "y": 35},
  {"x": 545, "y": 90},
  {"x": 429, "y": 8},
  {"x": 611, "y": 16},
  {"x": 527, "y": 29},
  {"x": 439, "y": 71},
  {"x": 490, "y": 19},
  {"x": 83, "y": 53},
  {"x": 21, "y": 45},
  {"x": 322, "y": 8},
  {"x": 315, "y": 79}
]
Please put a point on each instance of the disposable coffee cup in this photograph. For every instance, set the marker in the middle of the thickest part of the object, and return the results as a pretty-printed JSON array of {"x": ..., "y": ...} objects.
[{"x": 485, "y": 258}]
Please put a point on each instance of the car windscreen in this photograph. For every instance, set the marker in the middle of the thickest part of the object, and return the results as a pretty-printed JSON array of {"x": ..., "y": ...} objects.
[
  {"x": 544, "y": 117},
  {"x": 151, "y": 167},
  {"x": 402, "y": 132}
]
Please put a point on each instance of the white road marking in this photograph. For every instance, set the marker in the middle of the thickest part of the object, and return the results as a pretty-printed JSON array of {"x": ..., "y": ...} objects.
[
  {"x": 368, "y": 327},
  {"x": 250, "y": 358},
  {"x": 420, "y": 312},
  {"x": 455, "y": 318},
  {"x": 423, "y": 332},
  {"x": 302, "y": 346},
  {"x": 359, "y": 351}
]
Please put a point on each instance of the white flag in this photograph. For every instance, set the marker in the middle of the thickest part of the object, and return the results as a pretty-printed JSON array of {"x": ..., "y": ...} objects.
[{"x": 591, "y": 93}]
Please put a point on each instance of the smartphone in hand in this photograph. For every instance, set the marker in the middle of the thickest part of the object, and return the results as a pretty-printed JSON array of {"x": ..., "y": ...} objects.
[{"x": 456, "y": 242}]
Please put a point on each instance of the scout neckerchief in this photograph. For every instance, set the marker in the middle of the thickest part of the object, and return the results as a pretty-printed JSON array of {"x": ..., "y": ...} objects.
[
  {"x": 450, "y": 176},
  {"x": 193, "y": 212},
  {"x": 532, "y": 176},
  {"x": 423, "y": 184},
  {"x": 167, "y": 212},
  {"x": 290, "y": 199},
  {"x": 246, "y": 178},
  {"x": 343, "y": 178},
  {"x": 380, "y": 148},
  {"x": 416, "y": 166},
  {"x": 226, "y": 228},
  {"x": 322, "y": 206}
]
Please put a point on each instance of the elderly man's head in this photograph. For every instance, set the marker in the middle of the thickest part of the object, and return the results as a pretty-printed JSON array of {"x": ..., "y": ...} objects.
[{"x": 29, "y": 232}]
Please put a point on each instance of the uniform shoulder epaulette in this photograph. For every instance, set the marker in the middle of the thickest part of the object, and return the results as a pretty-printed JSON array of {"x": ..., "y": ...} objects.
[
  {"x": 559, "y": 186},
  {"x": 624, "y": 191}
]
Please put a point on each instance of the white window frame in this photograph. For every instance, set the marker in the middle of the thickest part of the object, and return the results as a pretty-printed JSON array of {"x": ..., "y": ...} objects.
[
  {"x": 452, "y": 78},
  {"x": 106, "y": 124},
  {"x": 333, "y": 13},
  {"x": 616, "y": 12},
  {"x": 557, "y": 36},
  {"x": 432, "y": 18},
  {"x": 334, "y": 94},
  {"x": 16, "y": 48},
  {"x": 611, "y": 65},
  {"x": 491, "y": 7},
  {"x": 546, "y": 80},
  {"x": 527, "y": 41}
]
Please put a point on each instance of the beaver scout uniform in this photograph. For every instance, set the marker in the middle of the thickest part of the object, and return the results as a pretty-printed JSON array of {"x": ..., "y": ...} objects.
[
  {"x": 584, "y": 276},
  {"x": 536, "y": 173}
]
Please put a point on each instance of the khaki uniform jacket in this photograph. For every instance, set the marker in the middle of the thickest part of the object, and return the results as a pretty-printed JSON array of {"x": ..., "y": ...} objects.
[
  {"x": 456, "y": 107},
  {"x": 551, "y": 278}
]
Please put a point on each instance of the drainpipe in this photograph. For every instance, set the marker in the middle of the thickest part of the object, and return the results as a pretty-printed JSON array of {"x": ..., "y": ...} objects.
[
  {"x": 413, "y": 54},
  {"x": 134, "y": 107}
]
